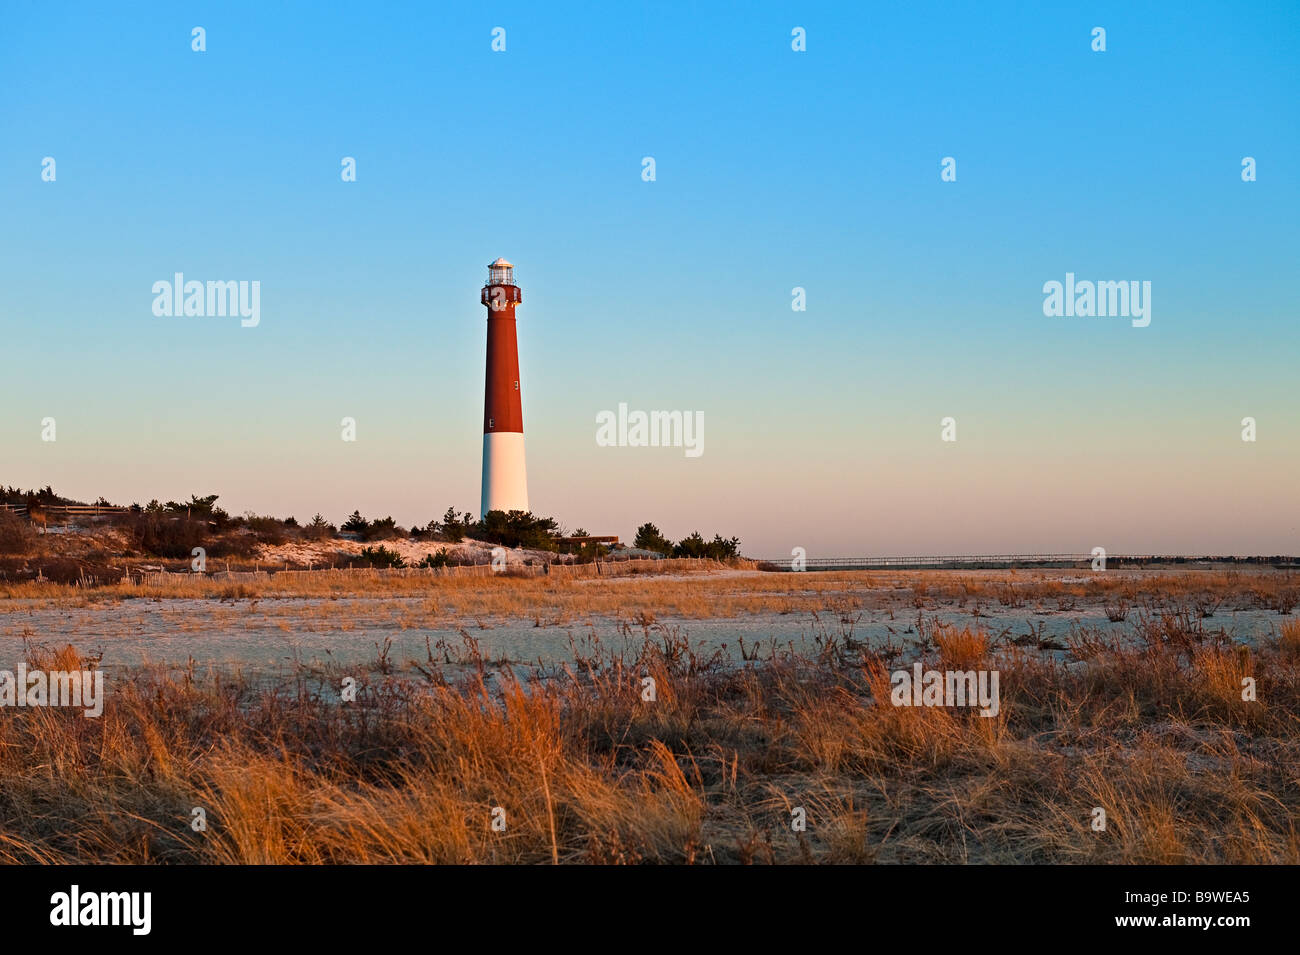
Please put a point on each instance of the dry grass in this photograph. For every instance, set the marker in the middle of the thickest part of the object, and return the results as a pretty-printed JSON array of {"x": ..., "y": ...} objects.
[
  {"x": 1153, "y": 730},
  {"x": 961, "y": 649},
  {"x": 1289, "y": 640},
  {"x": 728, "y": 594}
]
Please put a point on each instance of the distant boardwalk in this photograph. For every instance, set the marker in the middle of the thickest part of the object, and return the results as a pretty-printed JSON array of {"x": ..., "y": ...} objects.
[{"x": 1010, "y": 561}]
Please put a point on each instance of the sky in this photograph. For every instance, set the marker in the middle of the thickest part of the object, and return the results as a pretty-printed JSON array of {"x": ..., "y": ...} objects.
[{"x": 774, "y": 169}]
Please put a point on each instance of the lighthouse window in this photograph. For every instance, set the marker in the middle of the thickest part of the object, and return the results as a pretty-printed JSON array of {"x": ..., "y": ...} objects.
[
  {"x": 516, "y": 386},
  {"x": 490, "y": 423}
]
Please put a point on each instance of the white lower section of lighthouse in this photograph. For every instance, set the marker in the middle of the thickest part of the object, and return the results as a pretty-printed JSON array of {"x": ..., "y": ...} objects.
[{"x": 505, "y": 481}]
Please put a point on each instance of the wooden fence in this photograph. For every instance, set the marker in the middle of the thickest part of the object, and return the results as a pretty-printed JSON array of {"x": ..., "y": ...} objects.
[
  {"x": 61, "y": 513},
  {"x": 619, "y": 568}
]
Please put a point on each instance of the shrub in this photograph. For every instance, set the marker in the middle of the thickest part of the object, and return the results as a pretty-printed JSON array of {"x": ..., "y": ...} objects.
[
  {"x": 267, "y": 530},
  {"x": 383, "y": 528},
  {"x": 197, "y": 508},
  {"x": 455, "y": 526},
  {"x": 649, "y": 538},
  {"x": 356, "y": 524},
  {"x": 587, "y": 553},
  {"x": 381, "y": 557},
  {"x": 319, "y": 529},
  {"x": 717, "y": 549},
  {"x": 237, "y": 543},
  {"x": 440, "y": 559},
  {"x": 164, "y": 535},
  {"x": 517, "y": 529},
  {"x": 16, "y": 534}
]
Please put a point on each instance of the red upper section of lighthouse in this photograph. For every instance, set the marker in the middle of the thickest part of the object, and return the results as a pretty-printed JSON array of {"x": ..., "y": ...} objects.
[{"x": 502, "y": 402}]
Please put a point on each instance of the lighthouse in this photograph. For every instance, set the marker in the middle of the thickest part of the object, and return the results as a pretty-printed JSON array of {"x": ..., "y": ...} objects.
[{"x": 505, "y": 483}]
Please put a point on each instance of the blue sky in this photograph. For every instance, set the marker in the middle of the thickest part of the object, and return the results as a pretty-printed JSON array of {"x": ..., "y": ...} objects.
[{"x": 775, "y": 169}]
